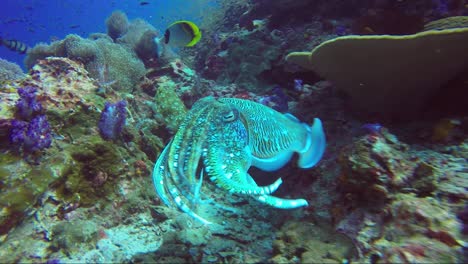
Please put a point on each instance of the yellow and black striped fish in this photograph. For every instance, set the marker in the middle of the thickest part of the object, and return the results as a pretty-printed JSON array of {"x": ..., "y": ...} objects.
[
  {"x": 182, "y": 33},
  {"x": 14, "y": 45}
]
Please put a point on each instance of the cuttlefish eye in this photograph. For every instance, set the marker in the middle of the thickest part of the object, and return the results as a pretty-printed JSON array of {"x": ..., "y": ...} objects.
[{"x": 230, "y": 115}]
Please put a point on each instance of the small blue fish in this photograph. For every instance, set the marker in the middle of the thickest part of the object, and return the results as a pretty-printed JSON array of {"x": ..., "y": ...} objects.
[
  {"x": 372, "y": 127},
  {"x": 298, "y": 85},
  {"x": 340, "y": 30}
]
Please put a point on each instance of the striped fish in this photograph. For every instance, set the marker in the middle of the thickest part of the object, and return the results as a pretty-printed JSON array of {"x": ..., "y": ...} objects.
[{"x": 14, "y": 45}]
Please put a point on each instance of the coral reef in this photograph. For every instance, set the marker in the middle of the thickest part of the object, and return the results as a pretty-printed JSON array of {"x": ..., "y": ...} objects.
[
  {"x": 169, "y": 105},
  {"x": 136, "y": 30},
  {"x": 311, "y": 242},
  {"x": 117, "y": 24},
  {"x": 244, "y": 60},
  {"x": 78, "y": 164},
  {"x": 121, "y": 64},
  {"x": 374, "y": 168},
  {"x": 146, "y": 48},
  {"x": 9, "y": 71},
  {"x": 399, "y": 204},
  {"x": 81, "y": 132}
]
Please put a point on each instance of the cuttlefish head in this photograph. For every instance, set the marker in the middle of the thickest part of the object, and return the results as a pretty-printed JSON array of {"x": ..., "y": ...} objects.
[
  {"x": 227, "y": 156},
  {"x": 274, "y": 137}
]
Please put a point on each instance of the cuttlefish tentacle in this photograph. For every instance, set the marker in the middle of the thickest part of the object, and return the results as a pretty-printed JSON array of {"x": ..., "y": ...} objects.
[
  {"x": 165, "y": 187},
  {"x": 278, "y": 202},
  {"x": 281, "y": 202},
  {"x": 177, "y": 169},
  {"x": 185, "y": 150},
  {"x": 160, "y": 176}
]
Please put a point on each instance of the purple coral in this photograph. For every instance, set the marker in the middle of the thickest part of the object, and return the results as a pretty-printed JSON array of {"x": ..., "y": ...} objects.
[
  {"x": 112, "y": 120},
  {"x": 298, "y": 85},
  {"x": 441, "y": 8},
  {"x": 31, "y": 132},
  {"x": 372, "y": 127},
  {"x": 31, "y": 137},
  {"x": 278, "y": 100},
  {"x": 27, "y": 106},
  {"x": 17, "y": 132}
]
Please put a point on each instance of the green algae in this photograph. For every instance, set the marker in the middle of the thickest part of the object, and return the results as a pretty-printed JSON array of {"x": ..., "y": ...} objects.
[
  {"x": 21, "y": 185},
  {"x": 78, "y": 120},
  {"x": 75, "y": 235},
  {"x": 8, "y": 158},
  {"x": 4, "y": 173},
  {"x": 92, "y": 157},
  {"x": 169, "y": 105},
  {"x": 21, "y": 182}
]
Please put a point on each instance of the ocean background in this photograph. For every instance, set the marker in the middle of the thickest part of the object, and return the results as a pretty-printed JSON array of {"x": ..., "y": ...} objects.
[{"x": 32, "y": 22}]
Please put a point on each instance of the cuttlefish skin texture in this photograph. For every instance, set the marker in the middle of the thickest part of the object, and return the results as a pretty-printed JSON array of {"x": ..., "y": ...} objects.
[{"x": 222, "y": 139}]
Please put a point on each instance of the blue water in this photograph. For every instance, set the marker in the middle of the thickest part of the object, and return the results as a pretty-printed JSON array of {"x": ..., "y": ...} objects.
[{"x": 37, "y": 21}]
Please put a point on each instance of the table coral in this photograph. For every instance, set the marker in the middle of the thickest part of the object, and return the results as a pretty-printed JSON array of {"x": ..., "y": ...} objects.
[{"x": 416, "y": 64}]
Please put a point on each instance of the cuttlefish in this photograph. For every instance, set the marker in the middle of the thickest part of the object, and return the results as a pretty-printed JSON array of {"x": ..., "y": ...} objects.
[{"x": 221, "y": 139}]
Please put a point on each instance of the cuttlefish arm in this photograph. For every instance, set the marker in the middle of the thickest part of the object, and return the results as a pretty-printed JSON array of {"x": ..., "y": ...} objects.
[
  {"x": 278, "y": 202},
  {"x": 175, "y": 172}
]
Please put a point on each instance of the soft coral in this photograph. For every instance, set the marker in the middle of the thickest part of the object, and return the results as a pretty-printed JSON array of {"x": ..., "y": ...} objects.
[
  {"x": 31, "y": 137},
  {"x": 112, "y": 120},
  {"x": 31, "y": 131},
  {"x": 27, "y": 106}
]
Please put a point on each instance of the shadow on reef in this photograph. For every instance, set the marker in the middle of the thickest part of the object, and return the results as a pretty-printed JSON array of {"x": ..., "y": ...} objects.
[{"x": 450, "y": 99}]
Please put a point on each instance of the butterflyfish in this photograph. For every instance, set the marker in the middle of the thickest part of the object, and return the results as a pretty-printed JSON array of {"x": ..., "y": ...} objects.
[{"x": 182, "y": 34}]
